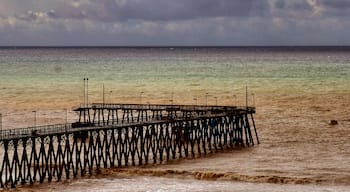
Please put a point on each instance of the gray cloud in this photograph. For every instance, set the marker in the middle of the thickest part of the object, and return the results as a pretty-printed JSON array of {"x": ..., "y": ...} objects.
[
  {"x": 336, "y": 8},
  {"x": 296, "y": 5},
  {"x": 336, "y": 4},
  {"x": 160, "y": 10}
]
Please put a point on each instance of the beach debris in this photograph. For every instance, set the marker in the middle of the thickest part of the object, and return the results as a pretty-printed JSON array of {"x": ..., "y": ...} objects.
[{"x": 332, "y": 122}]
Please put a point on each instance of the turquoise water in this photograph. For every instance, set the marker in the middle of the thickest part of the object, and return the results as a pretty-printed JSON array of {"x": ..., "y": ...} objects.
[
  {"x": 296, "y": 92},
  {"x": 58, "y": 73}
]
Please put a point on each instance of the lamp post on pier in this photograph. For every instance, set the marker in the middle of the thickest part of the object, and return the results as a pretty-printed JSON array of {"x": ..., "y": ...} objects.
[
  {"x": 34, "y": 118},
  {"x": 86, "y": 92},
  {"x": 206, "y": 99},
  {"x": 110, "y": 97},
  {"x": 103, "y": 94},
  {"x": 235, "y": 100},
  {"x": 141, "y": 93},
  {"x": 196, "y": 100},
  {"x": 66, "y": 116},
  {"x": 216, "y": 101},
  {"x": 253, "y": 95},
  {"x": 84, "y": 95},
  {"x": 172, "y": 98},
  {"x": 1, "y": 125},
  {"x": 246, "y": 97}
]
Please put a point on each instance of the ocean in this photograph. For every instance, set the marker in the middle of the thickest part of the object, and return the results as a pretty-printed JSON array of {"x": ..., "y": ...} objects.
[{"x": 296, "y": 91}]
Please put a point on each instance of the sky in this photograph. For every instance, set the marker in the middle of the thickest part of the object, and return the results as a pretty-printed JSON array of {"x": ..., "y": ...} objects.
[{"x": 174, "y": 22}]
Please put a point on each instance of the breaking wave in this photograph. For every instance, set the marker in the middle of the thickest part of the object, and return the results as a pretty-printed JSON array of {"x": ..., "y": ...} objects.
[{"x": 208, "y": 175}]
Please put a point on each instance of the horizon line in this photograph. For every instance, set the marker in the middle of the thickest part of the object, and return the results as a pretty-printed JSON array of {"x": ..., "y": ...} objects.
[{"x": 179, "y": 46}]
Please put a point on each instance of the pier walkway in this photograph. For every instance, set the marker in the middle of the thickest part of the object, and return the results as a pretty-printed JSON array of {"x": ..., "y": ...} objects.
[{"x": 117, "y": 135}]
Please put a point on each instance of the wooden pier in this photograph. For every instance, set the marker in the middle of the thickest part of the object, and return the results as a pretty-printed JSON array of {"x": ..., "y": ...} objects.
[{"x": 117, "y": 135}]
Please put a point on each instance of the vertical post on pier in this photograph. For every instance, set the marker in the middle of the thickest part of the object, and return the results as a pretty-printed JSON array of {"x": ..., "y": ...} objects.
[
  {"x": 66, "y": 116},
  {"x": 246, "y": 97},
  {"x": 206, "y": 99},
  {"x": 103, "y": 94},
  {"x": 172, "y": 98},
  {"x": 87, "y": 92},
  {"x": 235, "y": 100},
  {"x": 253, "y": 95},
  {"x": 66, "y": 113},
  {"x": 34, "y": 118},
  {"x": 216, "y": 101},
  {"x": 84, "y": 94},
  {"x": 0, "y": 125},
  {"x": 110, "y": 96},
  {"x": 141, "y": 97}
]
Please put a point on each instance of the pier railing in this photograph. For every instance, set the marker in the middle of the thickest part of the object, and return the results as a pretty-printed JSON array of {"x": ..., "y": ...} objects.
[{"x": 163, "y": 107}]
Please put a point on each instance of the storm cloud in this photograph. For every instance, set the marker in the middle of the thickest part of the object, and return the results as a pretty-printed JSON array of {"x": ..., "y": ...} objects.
[{"x": 169, "y": 22}]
